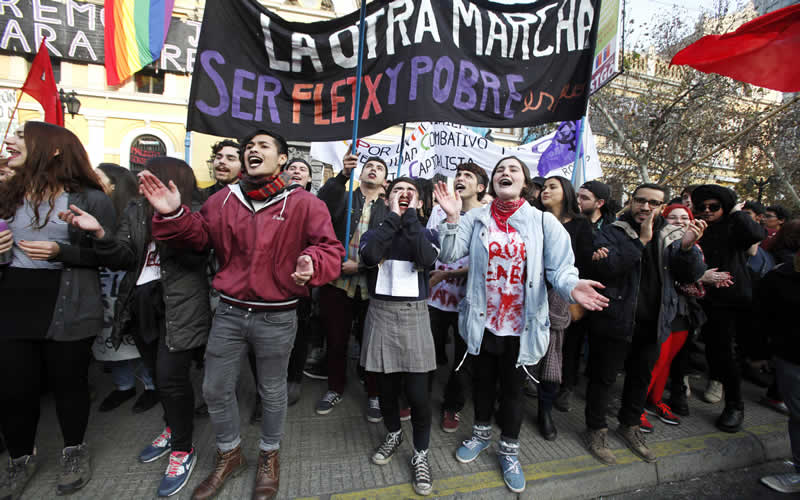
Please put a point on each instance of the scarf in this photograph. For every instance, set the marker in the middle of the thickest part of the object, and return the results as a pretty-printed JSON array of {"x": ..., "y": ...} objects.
[
  {"x": 502, "y": 210},
  {"x": 262, "y": 188}
]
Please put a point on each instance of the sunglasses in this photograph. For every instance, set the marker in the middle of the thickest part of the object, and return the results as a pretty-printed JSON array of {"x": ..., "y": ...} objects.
[
  {"x": 652, "y": 203},
  {"x": 711, "y": 207}
]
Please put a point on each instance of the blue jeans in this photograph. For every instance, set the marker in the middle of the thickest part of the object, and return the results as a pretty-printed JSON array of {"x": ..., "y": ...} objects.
[
  {"x": 124, "y": 374},
  {"x": 788, "y": 377},
  {"x": 271, "y": 337}
]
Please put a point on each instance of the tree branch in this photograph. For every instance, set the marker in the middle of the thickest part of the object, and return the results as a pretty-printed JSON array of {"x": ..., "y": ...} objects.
[{"x": 623, "y": 141}]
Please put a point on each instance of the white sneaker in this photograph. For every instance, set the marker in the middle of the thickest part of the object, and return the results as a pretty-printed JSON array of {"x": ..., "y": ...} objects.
[
  {"x": 788, "y": 482},
  {"x": 714, "y": 392}
]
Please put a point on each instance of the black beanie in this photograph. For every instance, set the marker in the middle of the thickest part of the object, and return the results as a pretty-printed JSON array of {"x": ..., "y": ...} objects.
[{"x": 705, "y": 192}]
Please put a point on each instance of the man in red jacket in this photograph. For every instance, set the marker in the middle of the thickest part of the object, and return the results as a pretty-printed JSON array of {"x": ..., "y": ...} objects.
[{"x": 272, "y": 240}]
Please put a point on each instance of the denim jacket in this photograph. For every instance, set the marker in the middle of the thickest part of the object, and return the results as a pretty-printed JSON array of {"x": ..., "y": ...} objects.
[{"x": 548, "y": 249}]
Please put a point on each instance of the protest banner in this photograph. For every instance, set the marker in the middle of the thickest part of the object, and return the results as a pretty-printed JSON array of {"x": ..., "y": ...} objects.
[
  {"x": 474, "y": 62},
  {"x": 438, "y": 148},
  {"x": 608, "y": 52}
]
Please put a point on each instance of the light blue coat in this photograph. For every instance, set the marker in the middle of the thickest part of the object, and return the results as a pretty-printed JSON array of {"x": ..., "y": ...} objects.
[{"x": 471, "y": 237}]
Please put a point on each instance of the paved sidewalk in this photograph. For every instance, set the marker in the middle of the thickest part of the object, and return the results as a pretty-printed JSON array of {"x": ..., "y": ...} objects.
[{"x": 328, "y": 456}]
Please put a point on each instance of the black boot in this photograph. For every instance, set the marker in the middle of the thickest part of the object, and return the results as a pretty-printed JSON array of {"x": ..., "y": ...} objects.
[
  {"x": 678, "y": 401},
  {"x": 731, "y": 418},
  {"x": 546, "y": 426}
]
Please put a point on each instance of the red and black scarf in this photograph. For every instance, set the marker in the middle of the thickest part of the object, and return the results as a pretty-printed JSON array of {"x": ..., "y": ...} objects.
[
  {"x": 502, "y": 210},
  {"x": 263, "y": 188}
]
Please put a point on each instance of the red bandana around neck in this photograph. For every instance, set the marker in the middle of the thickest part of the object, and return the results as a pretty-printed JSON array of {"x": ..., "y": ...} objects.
[
  {"x": 502, "y": 210},
  {"x": 263, "y": 188}
]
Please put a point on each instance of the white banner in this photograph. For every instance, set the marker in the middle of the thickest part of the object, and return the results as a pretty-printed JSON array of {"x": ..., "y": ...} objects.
[{"x": 438, "y": 148}]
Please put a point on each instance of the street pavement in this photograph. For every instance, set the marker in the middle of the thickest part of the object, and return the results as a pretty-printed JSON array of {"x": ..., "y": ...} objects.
[{"x": 327, "y": 457}]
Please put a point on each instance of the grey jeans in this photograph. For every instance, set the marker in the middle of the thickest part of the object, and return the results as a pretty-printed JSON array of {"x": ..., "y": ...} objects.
[
  {"x": 788, "y": 377},
  {"x": 271, "y": 335}
]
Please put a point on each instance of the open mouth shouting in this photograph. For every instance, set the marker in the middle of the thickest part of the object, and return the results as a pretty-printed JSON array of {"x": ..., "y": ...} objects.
[
  {"x": 254, "y": 161},
  {"x": 505, "y": 182},
  {"x": 404, "y": 201},
  {"x": 459, "y": 186},
  {"x": 12, "y": 153}
]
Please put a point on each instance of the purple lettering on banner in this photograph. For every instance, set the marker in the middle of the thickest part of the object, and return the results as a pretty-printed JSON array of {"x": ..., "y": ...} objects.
[
  {"x": 513, "y": 95},
  {"x": 419, "y": 65},
  {"x": 262, "y": 92},
  {"x": 466, "y": 97},
  {"x": 205, "y": 62},
  {"x": 240, "y": 93},
  {"x": 443, "y": 64},
  {"x": 392, "y": 73},
  {"x": 411, "y": 169},
  {"x": 490, "y": 81}
]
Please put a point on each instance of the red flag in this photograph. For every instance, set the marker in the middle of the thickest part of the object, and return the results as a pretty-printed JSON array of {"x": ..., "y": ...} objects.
[
  {"x": 760, "y": 52},
  {"x": 41, "y": 85}
]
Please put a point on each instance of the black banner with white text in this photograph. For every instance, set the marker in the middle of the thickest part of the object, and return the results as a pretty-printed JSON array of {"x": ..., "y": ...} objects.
[{"x": 470, "y": 62}]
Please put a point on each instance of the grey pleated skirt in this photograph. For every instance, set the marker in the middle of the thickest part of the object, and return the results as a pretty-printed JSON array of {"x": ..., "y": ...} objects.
[{"x": 398, "y": 338}]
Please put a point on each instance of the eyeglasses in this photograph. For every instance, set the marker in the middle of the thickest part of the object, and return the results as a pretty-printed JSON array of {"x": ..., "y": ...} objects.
[
  {"x": 679, "y": 219},
  {"x": 711, "y": 207},
  {"x": 652, "y": 203},
  {"x": 769, "y": 216}
]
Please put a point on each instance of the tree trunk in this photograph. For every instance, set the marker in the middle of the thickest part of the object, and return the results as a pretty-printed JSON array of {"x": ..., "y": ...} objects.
[{"x": 625, "y": 143}]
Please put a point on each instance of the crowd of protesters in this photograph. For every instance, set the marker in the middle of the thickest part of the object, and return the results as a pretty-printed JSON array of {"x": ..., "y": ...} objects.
[{"x": 530, "y": 277}]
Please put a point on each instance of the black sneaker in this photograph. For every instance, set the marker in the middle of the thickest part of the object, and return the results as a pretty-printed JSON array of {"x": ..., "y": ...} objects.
[
  {"x": 563, "y": 401},
  {"x": 383, "y": 455},
  {"x": 421, "y": 469},
  {"x": 115, "y": 399},
  {"x": 317, "y": 371},
  {"x": 147, "y": 400},
  {"x": 679, "y": 403}
]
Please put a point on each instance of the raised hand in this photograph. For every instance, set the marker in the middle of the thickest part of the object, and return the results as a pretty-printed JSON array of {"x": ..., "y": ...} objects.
[
  {"x": 349, "y": 162},
  {"x": 646, "y": 233},
  {"x": 585, "y": 294},
  {"x": 164, "y": 200},
  {"x": 717, "y": 278},
  {"x": 450, "y": 203},
  {"x": 82, "y": 220},
  {"x": 303, "y": 271},
  {"x": 694, "y": 231},
  {"x": 39, "y": 250}
]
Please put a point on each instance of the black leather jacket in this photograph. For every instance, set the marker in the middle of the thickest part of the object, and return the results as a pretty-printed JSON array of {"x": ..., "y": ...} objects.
[{"x": 183, "y": 277}]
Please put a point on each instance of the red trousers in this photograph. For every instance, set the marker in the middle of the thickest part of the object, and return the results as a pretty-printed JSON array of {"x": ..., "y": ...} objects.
[{"x": 658, "y": 380}]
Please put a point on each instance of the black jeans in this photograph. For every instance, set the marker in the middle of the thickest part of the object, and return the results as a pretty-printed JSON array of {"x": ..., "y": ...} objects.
[
  {"x": 498, "y": 360},
  {"x": 574, "y": 337},
  {"x": 441, "y": 321},
  {"x": 171, "y": 372},
  {"x": 719, "y": 333},
  {"x": 390, "y": 386},
  {"x": 606, "y": 357},
  {"x": 23, "y": 363},
  {"x": 170, "y": 369}
]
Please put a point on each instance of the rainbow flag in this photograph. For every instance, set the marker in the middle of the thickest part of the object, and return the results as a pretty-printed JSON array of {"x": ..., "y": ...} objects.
[{"x": 135, "y": 31}]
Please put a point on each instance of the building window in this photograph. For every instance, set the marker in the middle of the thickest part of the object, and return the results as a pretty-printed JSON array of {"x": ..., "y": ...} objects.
[
  {"x": 143, "y": 148},
  {"x": 149, "y": 82}
]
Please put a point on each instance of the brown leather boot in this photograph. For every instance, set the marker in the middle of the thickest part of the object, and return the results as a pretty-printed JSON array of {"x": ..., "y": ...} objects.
[
  {"x": 228, "y": 465},
  {"x": 267, "y": 476}
]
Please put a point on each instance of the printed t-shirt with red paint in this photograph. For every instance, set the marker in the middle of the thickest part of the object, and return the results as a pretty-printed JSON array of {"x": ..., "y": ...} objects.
[
  {"x": 505, "y": 282},
  {"x": 446, "y": 294},
  {"x": 152, "y": 266}
]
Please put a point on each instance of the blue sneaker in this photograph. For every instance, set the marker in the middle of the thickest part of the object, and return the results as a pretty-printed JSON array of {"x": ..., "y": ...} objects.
[
  {"x": 508, "y": 455},
  {"x": 181, "y": 465},
  {"x": 471, "y": 448},
  {"x": 158, "y": 448}
]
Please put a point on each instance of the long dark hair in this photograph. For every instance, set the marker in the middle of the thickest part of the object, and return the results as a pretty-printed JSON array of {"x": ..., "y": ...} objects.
[
  {"x": 175, "y": 170},
  {"x": 56, "y": 160},
  {"x": 526, "y": 188},
  {"x": 569, "y": 201},
  {"x": 126, "y": 188}
]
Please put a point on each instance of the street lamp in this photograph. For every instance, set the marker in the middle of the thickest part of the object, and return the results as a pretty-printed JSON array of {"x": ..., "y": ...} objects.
[
  {"x": 69, "y": 100},
  {"x": 760, "y": 183}
]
